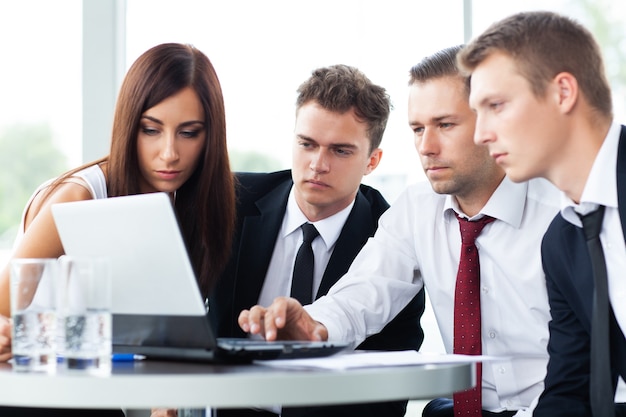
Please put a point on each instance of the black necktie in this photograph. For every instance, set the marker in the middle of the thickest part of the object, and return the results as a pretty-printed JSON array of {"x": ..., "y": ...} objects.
[
  {"x": 600, "y": 385},
  {"x": 302, "y": 280}
]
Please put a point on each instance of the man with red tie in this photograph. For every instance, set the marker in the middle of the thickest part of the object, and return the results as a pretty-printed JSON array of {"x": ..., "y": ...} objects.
[{"x": 469, "y": 235}]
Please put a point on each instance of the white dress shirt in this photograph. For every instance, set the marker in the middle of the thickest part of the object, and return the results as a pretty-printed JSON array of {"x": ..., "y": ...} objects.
[
  {"x": 418, "y": 243},
  {"x": 280, "y": 270},
  {"x": 601, "y": 189}
]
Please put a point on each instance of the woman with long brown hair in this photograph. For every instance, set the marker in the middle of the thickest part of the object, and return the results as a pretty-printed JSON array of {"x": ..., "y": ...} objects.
[{"x": 169, "y": 135}]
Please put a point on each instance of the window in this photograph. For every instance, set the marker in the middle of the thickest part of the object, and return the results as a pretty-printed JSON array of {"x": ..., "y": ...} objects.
[
  {"x": 41, "y": 123},
  {"x": 262, "y": 51},
  {"x": 606, "y": 19}
]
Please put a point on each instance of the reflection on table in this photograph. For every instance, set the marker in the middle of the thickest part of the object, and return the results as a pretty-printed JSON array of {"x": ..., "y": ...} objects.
[{"x": 146, "y": 384}]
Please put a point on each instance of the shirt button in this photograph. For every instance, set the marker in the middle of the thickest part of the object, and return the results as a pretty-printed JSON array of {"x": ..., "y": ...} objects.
[
  {"x": 502, "y": 370},
  {"x": 492, "y": 335},
  {"x": 485, "y": 290}
]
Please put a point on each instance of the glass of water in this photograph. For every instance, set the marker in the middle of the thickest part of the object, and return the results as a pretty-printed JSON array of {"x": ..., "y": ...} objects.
[
  {"x": 84, "y": 310},
  {"x": 33, "y": 285}
]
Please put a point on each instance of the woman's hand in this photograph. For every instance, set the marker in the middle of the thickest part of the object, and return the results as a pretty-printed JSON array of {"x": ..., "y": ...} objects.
[{"x": 6, "y": 326}]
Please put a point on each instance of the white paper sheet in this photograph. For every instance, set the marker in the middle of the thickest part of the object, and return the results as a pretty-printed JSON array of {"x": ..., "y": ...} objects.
[{"x": 357, "y": 359}]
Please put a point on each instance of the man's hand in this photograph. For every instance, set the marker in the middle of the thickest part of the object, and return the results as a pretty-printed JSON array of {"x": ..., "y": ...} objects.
[
  {"x": 285, "y": 319},
  {"x": 5, "y": 338}
]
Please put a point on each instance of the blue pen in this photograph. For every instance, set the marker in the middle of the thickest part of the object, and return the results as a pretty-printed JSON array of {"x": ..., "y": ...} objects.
[{"x": 126, "y": 357}]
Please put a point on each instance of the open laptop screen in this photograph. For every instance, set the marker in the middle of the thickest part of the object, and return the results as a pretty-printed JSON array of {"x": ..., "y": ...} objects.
[
  {"x": 151, "y": 270},
  {"x": 156, "y": 303}
]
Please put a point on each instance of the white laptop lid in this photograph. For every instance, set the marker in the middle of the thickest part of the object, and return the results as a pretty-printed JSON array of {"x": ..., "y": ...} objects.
[{"x": 151, "y": 270}]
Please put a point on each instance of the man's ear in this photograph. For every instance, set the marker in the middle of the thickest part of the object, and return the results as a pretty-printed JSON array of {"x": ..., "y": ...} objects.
[
  {"x": 374, "y": 160},
  {"x": 566, "y": 90}
]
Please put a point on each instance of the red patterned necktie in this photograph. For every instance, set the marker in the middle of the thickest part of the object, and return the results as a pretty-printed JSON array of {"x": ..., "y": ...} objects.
[{"x": 467, "y": 339}]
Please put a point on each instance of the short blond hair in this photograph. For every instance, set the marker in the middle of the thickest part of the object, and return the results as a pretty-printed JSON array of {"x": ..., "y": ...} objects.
[{"x": 544, "y": 44}]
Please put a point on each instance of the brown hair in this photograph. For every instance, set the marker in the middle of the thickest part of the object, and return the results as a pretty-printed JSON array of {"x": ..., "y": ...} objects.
[
  {"x": 543, "y": 44},
  {"x": 339, "y": 88},
  {"x": 205, "y": 203},
  {"x": 440, "y": 64}
]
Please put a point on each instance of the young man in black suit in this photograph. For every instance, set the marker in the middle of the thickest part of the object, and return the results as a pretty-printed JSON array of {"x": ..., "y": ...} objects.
[
  {"x": 340, "y": 120},
  {"x": 544, "y": 109}
]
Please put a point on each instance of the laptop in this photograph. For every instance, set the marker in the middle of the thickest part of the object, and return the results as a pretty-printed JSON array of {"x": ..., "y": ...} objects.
[{"x": 157, "y": 307}]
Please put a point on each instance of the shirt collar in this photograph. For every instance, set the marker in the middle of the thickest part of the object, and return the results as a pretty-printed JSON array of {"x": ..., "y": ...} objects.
[
  {"x": 601, "y": 185},
  {"x": 506, "y": 204},
  {"x": 329, "y": 228}
]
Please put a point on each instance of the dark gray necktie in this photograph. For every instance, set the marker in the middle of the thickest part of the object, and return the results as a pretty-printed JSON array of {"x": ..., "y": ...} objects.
[
  {"x": 600, "y": 385},
  {"x": 302, "y": 280}
]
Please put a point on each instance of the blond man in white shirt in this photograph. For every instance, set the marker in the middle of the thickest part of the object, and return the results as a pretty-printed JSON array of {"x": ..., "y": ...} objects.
[{"x": 544, "y": 110}]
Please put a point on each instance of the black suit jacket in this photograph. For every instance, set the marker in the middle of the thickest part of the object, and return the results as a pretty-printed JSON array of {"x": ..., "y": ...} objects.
[
  {"x": 261, "y": 205},
  {"x": 569, "y": 277}
]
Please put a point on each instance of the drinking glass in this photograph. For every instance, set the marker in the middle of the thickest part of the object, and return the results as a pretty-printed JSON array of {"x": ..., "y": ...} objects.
[{"x": 33, "y": 309}]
